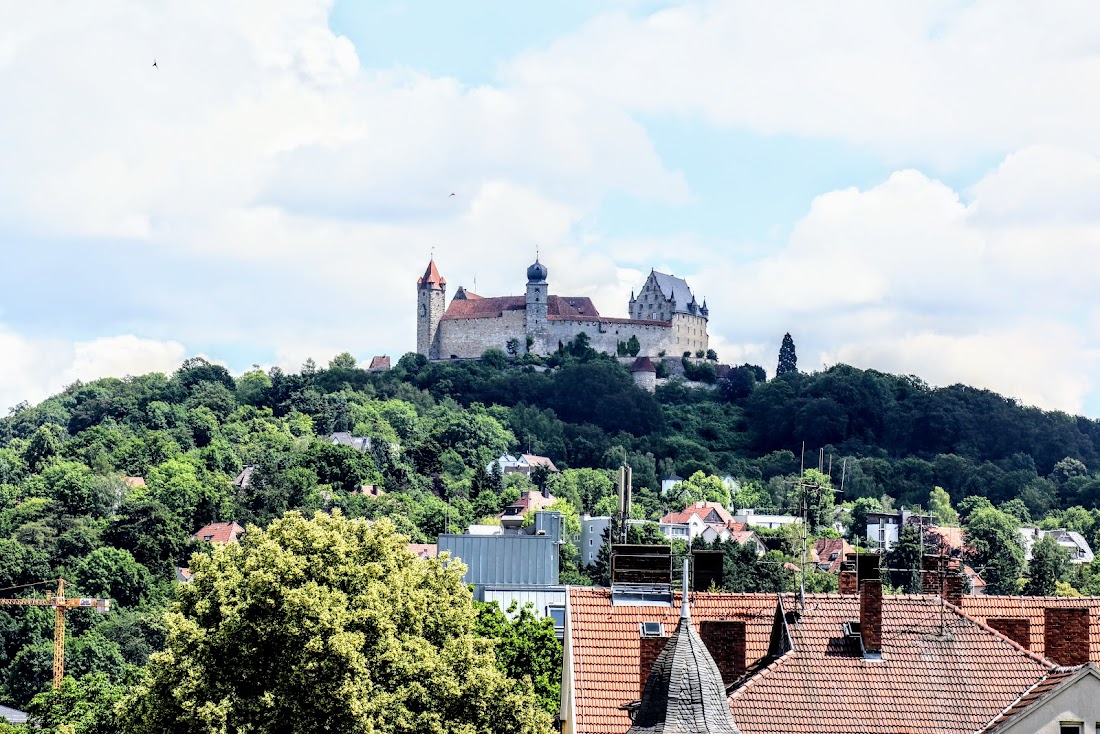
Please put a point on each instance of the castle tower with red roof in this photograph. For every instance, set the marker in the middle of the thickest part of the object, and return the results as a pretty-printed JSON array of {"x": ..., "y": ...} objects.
[{"x": 431, "y": 301}]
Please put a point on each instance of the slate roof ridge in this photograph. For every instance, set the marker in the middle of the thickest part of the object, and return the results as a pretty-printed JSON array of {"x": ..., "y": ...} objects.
[{"x": 760, "y": 674}]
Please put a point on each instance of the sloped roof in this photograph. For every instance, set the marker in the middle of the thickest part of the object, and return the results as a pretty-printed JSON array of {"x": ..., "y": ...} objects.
[
  {"x": 245, "y": 477},
  {"x": 134, "y": 481},
  {"x": 983, "y": 607},
  {"x": 825, "y": 548},
  {"x": 431, "y": 278},
  {"x": 684, "y": 693},
  {"x": 1054, "y": 681},
  {"x": 380, "y": 363},
  {"x": 674, "y": 288},
  {"x": 424, "y": 550},
  {"x": 483, "y": 308},
  {"x": 13, "y": 716},
  {"x": 643, "y": 364},
  {"x": 534, "y": 460},
  {"x": 606, "y": 645},
  {"x": 952, "y": 680},
  {"x": 219, "y": 532},
  {"x": 533, "y": 500},
  {"x": 712, "y": 513}
]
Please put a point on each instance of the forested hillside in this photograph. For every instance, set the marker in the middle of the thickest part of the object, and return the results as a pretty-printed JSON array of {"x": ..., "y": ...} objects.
[{"x": 70, "y": 506}]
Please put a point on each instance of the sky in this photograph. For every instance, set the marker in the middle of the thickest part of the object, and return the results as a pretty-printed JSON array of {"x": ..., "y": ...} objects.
[{"x": 908, "y": 187}]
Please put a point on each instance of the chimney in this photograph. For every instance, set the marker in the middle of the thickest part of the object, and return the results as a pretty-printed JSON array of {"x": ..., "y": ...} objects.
[
  {"x": 1066, "y": 635},
  {"x": 1017, "y": 629},
  {"x": 846, "y": 583},
  {"x": 726, "y": 643},
  {"x": 870, "y": 617},
  {"x": 649, "y": 649}
]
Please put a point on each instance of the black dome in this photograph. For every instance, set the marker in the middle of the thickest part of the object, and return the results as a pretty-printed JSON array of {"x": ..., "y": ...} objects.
[{"x": 536, "y": 271}]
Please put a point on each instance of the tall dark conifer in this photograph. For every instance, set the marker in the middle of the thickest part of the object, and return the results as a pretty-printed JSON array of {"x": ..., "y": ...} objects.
[{"x": 788, "y": 360}]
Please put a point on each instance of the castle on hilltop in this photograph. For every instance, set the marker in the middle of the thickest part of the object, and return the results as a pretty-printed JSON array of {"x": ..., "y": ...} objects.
[{"x": 665, "y": 319}]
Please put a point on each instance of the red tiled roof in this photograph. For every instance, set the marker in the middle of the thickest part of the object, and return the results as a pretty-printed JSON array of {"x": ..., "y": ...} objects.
[
  {"x": 483, "y": 308},
  {"x": 1036, "y": 693},
  {"x": 424, "y": 550},
  {"x": 535, "y": 460},
  {"x": 643, "y": 364},
  {"x": 219, "y": 532},
  {"x": 432, "y": 278},
  {"x": 606, "y": 646},
  {"x": 528, "y": 501},
  {"x": 379, "y": 363},
  {"x": 983, "y": 607},
  {"x": 134, "y": 481},
  {"x": 824, "y": 548},
  {"x": 952, "y": 680},
  {"x": 712, "y": 513}
]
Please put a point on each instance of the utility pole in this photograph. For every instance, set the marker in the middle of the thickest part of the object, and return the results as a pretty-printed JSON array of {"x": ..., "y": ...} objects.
[{"x": 60, "y": 604}]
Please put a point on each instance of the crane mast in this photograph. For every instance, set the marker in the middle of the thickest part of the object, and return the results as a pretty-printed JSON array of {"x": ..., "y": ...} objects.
[{"x": 61, "y": 604}]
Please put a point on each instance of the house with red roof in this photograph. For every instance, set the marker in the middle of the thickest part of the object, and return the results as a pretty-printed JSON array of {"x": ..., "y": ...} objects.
[
  {"x": 857, "y": 661},
  {"x": 665, "y": 318},
  {"x": 710, "y": 520},
  {"x": 219, "y": 532}
]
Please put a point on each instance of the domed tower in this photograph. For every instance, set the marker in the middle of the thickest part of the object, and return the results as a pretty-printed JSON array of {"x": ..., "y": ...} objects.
[
  {"x": 537, "y": 293},
  {"x": 431, "y": 300}
]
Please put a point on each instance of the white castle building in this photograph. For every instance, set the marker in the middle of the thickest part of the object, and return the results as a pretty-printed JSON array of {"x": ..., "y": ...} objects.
[{"x": 665, "y": 318}]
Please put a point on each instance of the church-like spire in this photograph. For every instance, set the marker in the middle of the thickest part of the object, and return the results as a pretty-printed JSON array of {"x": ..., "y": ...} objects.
[
  {"x": 431, "y": 279},
  {"x": 684, "y": 693}
]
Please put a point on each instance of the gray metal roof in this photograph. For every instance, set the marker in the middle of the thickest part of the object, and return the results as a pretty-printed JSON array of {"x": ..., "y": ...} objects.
[
  {"x": 13, "y": 716},
  {"x": 684, "y": 693},
  {"x": 674, "y": 288},
  {"x": 505, "y": 559}
]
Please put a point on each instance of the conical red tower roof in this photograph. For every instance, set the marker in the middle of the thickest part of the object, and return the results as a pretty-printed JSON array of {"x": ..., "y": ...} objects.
[{"x": 431, "y": 279}]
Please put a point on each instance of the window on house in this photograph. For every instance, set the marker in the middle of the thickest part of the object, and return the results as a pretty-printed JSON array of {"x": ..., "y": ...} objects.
[
  {"x": 1071, "y": 727},
  {"x": 652, "y": 629},
  {"x": 557, "y": 614},
  {"x": 208, "y": 537}
]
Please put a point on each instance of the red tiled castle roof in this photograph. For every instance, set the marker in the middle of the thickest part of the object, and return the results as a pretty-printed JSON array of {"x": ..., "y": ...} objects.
[{"x": 431, "y": 278}]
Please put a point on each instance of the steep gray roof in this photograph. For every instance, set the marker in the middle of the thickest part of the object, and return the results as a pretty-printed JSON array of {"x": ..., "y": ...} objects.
[
  {"x": 13, "y": 716},
  {"x": 684, "y": 693},
  {"x": 674, "y": 288}
]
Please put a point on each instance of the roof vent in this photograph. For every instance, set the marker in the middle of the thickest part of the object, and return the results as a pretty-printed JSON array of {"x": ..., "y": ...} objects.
[{"x": 652, "y": 629}]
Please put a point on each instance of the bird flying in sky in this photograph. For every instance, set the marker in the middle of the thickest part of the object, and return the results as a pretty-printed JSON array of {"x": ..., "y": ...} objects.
[{"x": 155, "y": 64}]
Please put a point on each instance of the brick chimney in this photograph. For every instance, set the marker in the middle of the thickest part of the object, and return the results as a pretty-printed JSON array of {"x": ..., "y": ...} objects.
[
  {"x": 870, "y": 616},
  {"x": 650, "y": 648},
  {"x": 1066, "y": 634},
  {"x": 846, "y": 583},
  {"x": 1017, "y": 629},
  {"x": 726, "y": 643}
]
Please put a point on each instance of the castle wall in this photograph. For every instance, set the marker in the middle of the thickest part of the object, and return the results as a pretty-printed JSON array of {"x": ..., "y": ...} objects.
[
  {"x": 605, "y": 337},
  {"x": 469, "y": 338},
  {"x": 689, "y": 333},
  {"x": 430, "y": 306}
]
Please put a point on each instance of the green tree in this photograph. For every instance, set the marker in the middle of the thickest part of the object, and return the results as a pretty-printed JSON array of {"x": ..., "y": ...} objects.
[
  {"x": 1049, "y": 564},
  {"x": 788, "y": 360},
  {"x": 342, "y": 361},
  {"x": 84, "y": 706},
  {"x": 903, "y": 561},
  {"x": 994, "y": 549},
  {"x": 113, "y": 573},
  {"x": 332, "y": 625},
  {"x": 633, "y": 346},
  {"x": 527, "y": 650},
  {"x": 939, "y": 504}
]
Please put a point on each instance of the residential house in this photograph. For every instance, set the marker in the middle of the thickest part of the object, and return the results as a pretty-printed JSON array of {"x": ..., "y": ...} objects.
[
  {"x": 828, "y": 553},
  {"x": 709, "y": 520},
  {"x": 13, "y": 716},
  {"x": 1065, "y": 702},
  {"x": 522, "y": 464},
  {"x": 883, "y": 528},
  {"x": 512, "y": 515},
  {"x": 1074, "y": 543},
  {"x": 343, "y": 438},
  {"x": 424, "y": 550},
  {"x": 133, "y": 482},
  {"x": 834, "y": 663},
  {"x": 219, "y": 532},
  {"x": 669, "y": 482},
  {"x": 183, "y": 575},
  {"x": 1064, "y": 629},
  {"x": 379, "y": 364},
  {"x": 245, "y": 477}
]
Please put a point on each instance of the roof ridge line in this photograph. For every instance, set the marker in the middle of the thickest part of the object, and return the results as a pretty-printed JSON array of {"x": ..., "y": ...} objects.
[{"x": 1041, "y": 659}]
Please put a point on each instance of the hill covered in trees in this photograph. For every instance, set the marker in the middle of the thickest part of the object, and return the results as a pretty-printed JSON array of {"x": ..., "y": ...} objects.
[{"x": 69, "y": 504}]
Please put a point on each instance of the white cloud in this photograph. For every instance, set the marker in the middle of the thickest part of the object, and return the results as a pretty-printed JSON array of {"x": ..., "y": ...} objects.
[
  {"x": 36, "y": 368},
  {"x": 941, "y": 80}
]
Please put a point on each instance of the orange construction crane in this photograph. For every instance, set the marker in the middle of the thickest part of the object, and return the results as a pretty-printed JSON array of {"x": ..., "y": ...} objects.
[{"x": 60, "y": 605}]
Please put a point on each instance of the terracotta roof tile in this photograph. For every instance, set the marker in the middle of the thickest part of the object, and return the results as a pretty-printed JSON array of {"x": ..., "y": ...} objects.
[
  {"x": 926, "y": 682},
  {"x": 219, "y": 532},
  {"x": 607, "y": 647},
  {"x": 431, "y": 278},
  {"x": 983, "y": 608},
  {"x": 950, "y": 680}
]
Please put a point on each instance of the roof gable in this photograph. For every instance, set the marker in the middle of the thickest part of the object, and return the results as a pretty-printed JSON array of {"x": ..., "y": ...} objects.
[
  {"x": 1051, "y": 699},
  {"x": 674, "y": 289}
]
